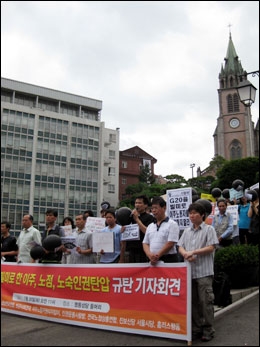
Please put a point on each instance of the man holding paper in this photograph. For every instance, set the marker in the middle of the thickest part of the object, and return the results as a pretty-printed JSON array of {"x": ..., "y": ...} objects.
[
  {"x": 117, "y": 256},
  {"x": 82, "y": 253},
  {"x": 143, "y": 219}
]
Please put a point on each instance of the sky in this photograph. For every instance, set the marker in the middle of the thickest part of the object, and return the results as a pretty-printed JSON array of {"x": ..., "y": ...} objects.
[{"x": 153, "y": 64}]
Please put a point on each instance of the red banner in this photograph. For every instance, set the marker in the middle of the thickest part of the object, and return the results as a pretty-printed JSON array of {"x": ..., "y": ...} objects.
[{"x": 133, "y": 298}]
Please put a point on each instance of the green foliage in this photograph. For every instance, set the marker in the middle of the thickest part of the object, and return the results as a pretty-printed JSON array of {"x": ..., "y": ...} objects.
[
  {"x": 244, "y": 169},
  {"x": 201, "y": 184},
  {"x": 234, "y": 257},
  {"x": 175, "y": 179},
  {"x": 146, "y": 175},
  {"x": 217, "y": 162}
]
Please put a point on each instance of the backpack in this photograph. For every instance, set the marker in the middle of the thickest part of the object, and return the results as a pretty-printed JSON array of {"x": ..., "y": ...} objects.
[{"x": 221, "y": 289}]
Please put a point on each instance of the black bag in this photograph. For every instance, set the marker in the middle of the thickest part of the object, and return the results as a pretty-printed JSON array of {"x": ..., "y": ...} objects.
[{"x": 221, "y": 289}]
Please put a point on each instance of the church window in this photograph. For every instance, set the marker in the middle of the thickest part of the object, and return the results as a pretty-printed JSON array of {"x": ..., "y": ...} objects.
[
  {"x": 236, "y": 103},
  {"x": 235, "y": 150},
  {"x": 230, "y": 103}
]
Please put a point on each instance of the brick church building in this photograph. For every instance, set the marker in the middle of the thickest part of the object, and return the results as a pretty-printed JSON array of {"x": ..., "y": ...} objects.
[{"x": 236, "y": 136}]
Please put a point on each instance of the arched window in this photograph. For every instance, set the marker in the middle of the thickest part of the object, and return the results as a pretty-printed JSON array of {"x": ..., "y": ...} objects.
[{"x": 235, "y": 150}]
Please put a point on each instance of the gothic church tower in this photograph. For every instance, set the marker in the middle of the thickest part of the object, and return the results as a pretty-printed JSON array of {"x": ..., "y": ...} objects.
[{"x": 234, "y": 137}]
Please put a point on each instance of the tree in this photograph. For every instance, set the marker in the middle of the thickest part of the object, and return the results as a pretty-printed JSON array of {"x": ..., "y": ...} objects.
[
  {"x": 146, "y": 175},
  {"x": 202, "y": 183},
  {"x": 217, "y": 162},
  {"x": 245, "y": 169},
  {"x": 175, "y": 179}
]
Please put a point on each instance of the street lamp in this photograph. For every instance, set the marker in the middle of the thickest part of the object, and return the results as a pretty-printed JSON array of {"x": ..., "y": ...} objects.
[
  {"x": 247, "y": 91},
  {"x": 192, "y": 166}
]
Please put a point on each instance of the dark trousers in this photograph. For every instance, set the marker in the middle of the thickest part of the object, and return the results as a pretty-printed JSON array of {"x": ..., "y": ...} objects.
[
  {"x": 137, "y": 255},
  {"x": 170, "y": 258}
]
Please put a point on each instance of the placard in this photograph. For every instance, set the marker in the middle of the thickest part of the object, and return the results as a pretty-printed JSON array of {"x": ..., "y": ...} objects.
[
  {"x": 131, "y": 233},
  {"x": 103, "y": 240},
  {"x": 233, "y": 194},
  {"x": 67, "y": 230},
  {"x": 95, "y": 224},
  {"x": 178, "y": 202}
]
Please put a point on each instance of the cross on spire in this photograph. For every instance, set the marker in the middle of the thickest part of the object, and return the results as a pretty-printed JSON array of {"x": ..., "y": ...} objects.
[{"x": 230, "y": 25}]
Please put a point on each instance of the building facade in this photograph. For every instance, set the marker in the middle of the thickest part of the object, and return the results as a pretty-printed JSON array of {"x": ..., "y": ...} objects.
[
  {"x": 54, "y": 152},
  {"x": 130, "y": 164},
  {"x": 235, "y": 136}
]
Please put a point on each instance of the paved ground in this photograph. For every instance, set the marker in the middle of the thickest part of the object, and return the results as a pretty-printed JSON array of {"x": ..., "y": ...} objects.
[{"x": 239, "y": 327}]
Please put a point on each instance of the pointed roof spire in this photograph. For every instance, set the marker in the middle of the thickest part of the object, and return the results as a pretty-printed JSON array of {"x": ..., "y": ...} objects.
[{"x": 232, "y": 64}]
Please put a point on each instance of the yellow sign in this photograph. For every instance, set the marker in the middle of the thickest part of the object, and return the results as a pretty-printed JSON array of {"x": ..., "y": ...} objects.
[{"x": 208, "y": 197}]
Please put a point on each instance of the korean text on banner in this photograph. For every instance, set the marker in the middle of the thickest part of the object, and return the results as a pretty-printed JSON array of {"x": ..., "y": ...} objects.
[
  {"x": 136, "y": 298},
  {"x": 178, "y": 202}
]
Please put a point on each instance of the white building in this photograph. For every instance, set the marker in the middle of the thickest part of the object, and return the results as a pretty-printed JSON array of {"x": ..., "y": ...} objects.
[{"x": 55, "y": 153}]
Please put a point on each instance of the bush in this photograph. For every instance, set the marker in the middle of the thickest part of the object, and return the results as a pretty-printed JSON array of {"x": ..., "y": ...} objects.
[{"x": 240, "y": 262}]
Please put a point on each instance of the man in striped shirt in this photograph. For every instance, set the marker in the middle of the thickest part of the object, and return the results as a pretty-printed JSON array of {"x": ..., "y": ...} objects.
[{"x": 197, "y": 245}]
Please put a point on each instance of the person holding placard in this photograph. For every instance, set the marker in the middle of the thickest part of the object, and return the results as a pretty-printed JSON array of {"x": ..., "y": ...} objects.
[
  {"x": 161, "y": 236},
  {"x": 82, "y": 253},
  {"x": 223, "y": 224},
  {"x": 143, "y": 219},
  {"x": 68, "y": 227},
  {"x": 119, "y": 246}
]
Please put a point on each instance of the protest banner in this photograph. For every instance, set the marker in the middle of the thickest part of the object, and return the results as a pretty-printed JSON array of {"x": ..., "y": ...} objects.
[
  {"x": 132, "y": 232},
  {"x": 178, "y": 202},
  {"x": 131, "y": 298}
]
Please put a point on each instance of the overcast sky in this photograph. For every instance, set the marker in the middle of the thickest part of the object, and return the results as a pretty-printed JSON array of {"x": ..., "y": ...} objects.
[{"x": 154, "y": 65}]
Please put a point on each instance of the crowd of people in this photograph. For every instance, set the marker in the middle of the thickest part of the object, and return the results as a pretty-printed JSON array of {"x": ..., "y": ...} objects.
[{"x": 160, "y": 240}]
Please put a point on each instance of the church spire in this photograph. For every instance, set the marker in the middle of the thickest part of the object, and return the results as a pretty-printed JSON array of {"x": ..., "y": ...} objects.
[{"x": 233, "y": 66}]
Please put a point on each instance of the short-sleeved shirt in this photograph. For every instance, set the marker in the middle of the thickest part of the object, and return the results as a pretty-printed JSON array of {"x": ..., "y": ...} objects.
[
  {"x": 157, "y": 236},
  {"x": 84, "y": 241},
  {"x": 8, "y": 244},
  {"x": 111, "y": 257},
  {"x": 192, "y": 239},
  {"x": 25, "y": 243}
]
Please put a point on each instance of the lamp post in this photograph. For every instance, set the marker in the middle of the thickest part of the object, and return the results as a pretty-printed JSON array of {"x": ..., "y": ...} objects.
[
  {"x": 247, "y": 91},
  {"x": 192, "y": 166}
]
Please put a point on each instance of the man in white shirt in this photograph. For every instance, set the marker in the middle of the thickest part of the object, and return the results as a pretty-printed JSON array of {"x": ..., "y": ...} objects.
[
  {"x": 28, "y": 237},
  {"x": 161, "y": 236}
]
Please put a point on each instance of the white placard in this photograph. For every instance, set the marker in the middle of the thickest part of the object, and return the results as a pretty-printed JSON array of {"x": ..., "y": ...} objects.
[
  {"x": 67, "y": 230},
  {"x": 103, "y": 240},
  {"x": 95, "y": 224},
  {"x": 178, "y": 202},
  {"x": 233, "y": 194},
  {"x": 132, "y": 232},
  {"x": 254, "y": 186}
]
